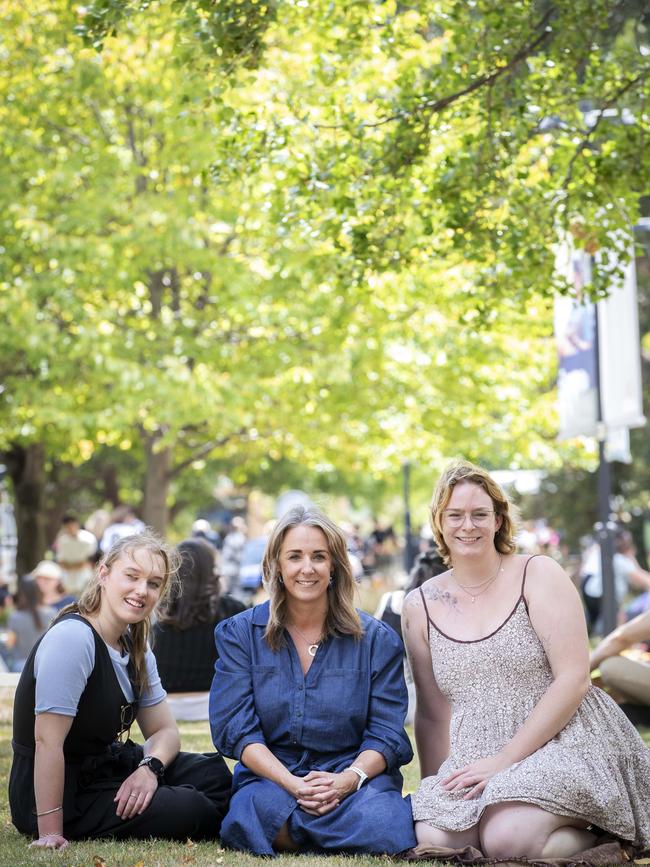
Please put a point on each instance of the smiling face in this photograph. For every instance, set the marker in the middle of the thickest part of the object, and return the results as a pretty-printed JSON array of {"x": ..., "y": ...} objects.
[
  {"x": 131, "y": 586},
  {"x": 469, "y": 521},
  {"x": 305, "y": 564}
]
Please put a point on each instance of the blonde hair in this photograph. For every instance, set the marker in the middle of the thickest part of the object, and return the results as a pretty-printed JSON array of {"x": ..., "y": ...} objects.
[
  {"x": 90, "y": 600},
  {"x": 464, "y": 471},
  {"x": 342, "y": 617}
]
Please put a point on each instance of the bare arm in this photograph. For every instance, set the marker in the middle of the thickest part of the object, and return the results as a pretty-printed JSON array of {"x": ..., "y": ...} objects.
[
  {"x": 161, "y": 732},
  {"x": 638, "y": 577},
  {"x": 50, "y": 732},
  {"x": 621, "y": 638},
  {"x": 432, "y": 712},
  {"x": 557, "y": 618},
  {"x": 162, "y": 741}
]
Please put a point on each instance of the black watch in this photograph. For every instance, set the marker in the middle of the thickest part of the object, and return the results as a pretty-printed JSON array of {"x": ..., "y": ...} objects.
[{"x": 154, "y": 765}]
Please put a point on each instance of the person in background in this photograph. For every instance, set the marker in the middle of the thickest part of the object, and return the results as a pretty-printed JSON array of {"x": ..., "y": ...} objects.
[
  {"x": 627, "y": 574},
  {"x": 389, "y": 610},
  {"x": 202, "y": 529},
  {"x": 629, "y": 678},
  {"x": 183, "y": 636},
  {"x": 124, "y": 522},
  {"x": 96, "y": 523},
  {"x": 520, "y": 756},
  {"x": 75, "y": 549},
  {"x": 27, "y": 622},
  {"x": 309, "y": 697},
  {"x": 231, "y": 554},
  {"x": 49, "y": 577},
  {"x": 75, "y": 772}
]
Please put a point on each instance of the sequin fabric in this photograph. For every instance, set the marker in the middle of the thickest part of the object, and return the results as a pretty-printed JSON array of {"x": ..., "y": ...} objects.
[{"x": 596, "y": 768}]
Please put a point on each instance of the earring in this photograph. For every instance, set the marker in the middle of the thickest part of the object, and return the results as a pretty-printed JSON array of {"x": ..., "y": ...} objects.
[{"x": 280, "y": 579}]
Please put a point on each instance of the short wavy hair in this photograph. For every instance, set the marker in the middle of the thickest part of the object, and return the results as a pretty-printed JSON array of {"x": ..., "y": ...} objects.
[
  {"x": 464, "y": 471},
  {"x": 342, "y": 618}
]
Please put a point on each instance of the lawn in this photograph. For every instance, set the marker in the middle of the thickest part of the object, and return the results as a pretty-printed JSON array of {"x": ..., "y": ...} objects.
[
  {"x": 195, "y": 737},
  {"x": 14, "y": 850}
]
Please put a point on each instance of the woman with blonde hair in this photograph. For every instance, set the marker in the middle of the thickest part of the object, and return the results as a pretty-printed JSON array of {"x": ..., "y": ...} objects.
[
  {"x": 520, "y": 757},
  {"x": 75, "y": 773},
  {"x": 309, "y": 696}
]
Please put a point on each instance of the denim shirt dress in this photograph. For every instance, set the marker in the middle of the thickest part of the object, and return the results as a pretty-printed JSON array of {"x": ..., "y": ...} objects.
[{"x": 353, "y": 698}]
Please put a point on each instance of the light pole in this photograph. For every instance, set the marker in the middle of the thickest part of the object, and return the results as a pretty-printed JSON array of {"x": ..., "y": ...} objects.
[{"x": 409, "y": 555}]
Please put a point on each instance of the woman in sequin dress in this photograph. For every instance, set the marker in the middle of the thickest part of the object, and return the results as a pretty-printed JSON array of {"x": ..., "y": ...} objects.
[{"x": 520, "y": 756}]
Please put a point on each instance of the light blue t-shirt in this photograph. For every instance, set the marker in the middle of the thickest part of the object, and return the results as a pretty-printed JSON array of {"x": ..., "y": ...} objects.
[{"x": 64, "y": 661}]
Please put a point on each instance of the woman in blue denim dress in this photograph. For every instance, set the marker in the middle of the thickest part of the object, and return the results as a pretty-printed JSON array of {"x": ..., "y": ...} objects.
[{"x": 309, "y": 696}]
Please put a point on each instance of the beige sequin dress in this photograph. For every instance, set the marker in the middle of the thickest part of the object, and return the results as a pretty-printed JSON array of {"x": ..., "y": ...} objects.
[{"x": 596, "y": 768}]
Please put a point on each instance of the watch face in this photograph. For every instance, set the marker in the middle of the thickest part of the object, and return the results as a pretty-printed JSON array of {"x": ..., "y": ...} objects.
[{"x": 154, "y": 764}]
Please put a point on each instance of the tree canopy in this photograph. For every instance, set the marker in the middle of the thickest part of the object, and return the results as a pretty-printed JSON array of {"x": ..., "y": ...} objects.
[{"x": 306, "y": 232}]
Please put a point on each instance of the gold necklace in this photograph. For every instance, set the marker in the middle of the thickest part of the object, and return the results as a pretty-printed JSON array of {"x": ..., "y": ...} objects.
[
  {"x": 311, "y": 647},
  {"x": 484, "y": 584}
]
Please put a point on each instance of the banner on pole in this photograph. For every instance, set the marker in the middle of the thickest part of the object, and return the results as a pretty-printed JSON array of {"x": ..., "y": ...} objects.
[
  {"x": 575, "y": 334},
  {"x": 618, "y": 348},
  {"x": 620, "y": 354}
]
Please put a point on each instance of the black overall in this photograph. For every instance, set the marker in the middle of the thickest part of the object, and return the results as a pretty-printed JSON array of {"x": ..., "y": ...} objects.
[{"x": 191, "y": 801}]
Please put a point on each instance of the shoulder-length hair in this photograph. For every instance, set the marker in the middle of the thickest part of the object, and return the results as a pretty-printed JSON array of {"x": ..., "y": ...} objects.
[
  {"x": 29, "y": 598},
  {"x": 90, "y": 600},
  {"x": 342, "y": 617},
  {"x": 464, "y": 471},
  {"x": 196, "y": 593}
]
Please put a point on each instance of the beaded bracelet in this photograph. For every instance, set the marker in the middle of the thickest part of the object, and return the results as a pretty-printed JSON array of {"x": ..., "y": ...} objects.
[{"x": 47, "y": 812}]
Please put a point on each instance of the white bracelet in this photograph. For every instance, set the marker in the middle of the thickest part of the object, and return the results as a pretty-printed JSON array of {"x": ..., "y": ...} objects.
[{"x": 363, "y": 776}]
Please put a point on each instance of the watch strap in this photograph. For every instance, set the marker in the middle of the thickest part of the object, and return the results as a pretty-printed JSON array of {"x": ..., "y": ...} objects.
[
  {"x": 363, "y": 776},
  {"x": 154, "y": 764}
]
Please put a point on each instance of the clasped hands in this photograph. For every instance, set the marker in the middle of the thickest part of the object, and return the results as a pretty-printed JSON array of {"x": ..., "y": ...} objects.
[
  {"x": 476, "y": 776},
  {"x": 321, "y": 792}
]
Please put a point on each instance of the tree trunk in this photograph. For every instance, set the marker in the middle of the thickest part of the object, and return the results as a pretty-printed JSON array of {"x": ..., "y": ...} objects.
[
  {"x": 156, "y": 484},
  {"x": 26, "y": 467}
]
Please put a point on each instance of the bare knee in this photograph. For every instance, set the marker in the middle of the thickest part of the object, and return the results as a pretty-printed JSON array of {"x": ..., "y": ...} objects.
[
  {"x": 498, "y": 841},
  {"x": 501, "y": 834},
  {"x": 431, "y": 836}
]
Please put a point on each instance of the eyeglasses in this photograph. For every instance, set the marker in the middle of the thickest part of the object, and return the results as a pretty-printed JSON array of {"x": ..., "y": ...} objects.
[
  {"x": 479, "y": 518},
  {"x": 127, "y": 716}
]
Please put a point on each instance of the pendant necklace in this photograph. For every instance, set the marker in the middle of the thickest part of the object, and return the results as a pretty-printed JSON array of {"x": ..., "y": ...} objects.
[
  {"x": 485, "y": 584},
  {"x": 311, "y": 648}
]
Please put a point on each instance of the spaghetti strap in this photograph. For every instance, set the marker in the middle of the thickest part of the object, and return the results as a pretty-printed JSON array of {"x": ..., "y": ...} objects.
[
  {"x": 426, "y": 611},
  {"x": 523, "y": 580}
]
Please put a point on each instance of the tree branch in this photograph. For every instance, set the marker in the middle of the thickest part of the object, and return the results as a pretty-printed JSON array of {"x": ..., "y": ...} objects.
[
  {"x": 438, "y": 105},
  {"x": 584, "y": 143},
  {"x": 204, "y": 450}
]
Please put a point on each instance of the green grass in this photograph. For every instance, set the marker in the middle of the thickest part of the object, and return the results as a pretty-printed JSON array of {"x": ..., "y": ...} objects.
[
  {"x": 161, "y": 853},
  {"x": 14, "y": 849}
]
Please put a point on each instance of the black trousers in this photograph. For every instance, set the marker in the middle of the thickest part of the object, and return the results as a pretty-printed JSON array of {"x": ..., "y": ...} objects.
[{"x": 191, "y": 800}]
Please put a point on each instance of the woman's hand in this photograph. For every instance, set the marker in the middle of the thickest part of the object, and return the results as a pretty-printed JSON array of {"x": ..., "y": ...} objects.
[
  {"x": 321, "y": 792},
  {"x": 135, "y": 793},
  {"x": 476, "y": 776},
  {"x": 51, "y": 841}
]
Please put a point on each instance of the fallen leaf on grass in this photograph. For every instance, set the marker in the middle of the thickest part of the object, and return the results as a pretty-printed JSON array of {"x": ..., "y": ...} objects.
[{"x": 98, "y": 861}]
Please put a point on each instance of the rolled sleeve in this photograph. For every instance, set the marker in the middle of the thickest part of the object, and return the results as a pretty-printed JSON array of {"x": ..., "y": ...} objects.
[
  {"x": 234, "y": 723},
  {"x": 384, "y": 731}
]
